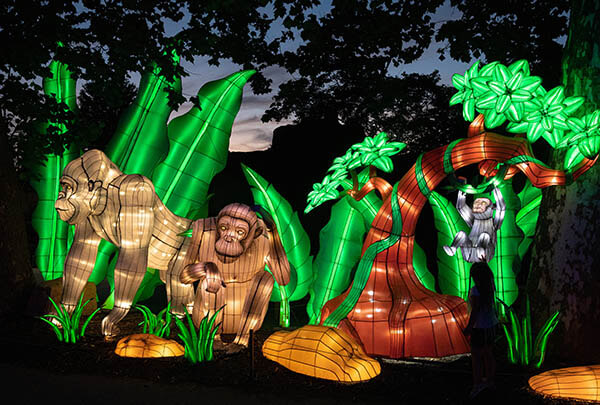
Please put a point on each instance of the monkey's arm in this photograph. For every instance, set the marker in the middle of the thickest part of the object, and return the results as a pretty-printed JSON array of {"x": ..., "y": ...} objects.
[
  {"x": 277, "y": 259},
  {"x": 79, "y": 264},
  {"x": 204, "y": 270},
  {"x": 500, "y": 208},
  {"x": 465, "y": 211}
]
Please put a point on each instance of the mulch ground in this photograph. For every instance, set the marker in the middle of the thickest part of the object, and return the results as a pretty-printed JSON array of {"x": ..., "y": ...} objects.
[{"x": 36, "y": 366}]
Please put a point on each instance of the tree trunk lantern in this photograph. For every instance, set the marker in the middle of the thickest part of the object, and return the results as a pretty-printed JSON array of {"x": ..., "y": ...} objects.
[{"x": 391, "y": 312}]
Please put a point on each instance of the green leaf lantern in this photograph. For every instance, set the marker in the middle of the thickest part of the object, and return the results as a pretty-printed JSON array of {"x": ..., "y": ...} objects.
[
  {"x": 585, "y": 134},
  {"x": 199, "y": 144},
  {"x": 294, "y": 238},
  {"x": 453, "y": 271},
  {"x": 340, "y": 246},
  {"x": 140, "y": 141},
  {"x": 372, "y": 151},
  {"x": 53, "y": 233}
]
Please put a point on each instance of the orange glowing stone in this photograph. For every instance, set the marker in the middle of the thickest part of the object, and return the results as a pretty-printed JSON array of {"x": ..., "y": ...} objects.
[
  {"x": 321, "y": 352},
  {"x": 144, "y": 345},
  {"x": 573, "y": 382}
]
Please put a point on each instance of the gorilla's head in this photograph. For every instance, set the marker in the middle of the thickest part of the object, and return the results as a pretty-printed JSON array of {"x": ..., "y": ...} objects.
[{"x": 83, "y": 186}]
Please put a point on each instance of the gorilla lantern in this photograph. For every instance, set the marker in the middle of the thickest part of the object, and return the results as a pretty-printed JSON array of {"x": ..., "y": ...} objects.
[
  {"x": 104, "y": 203},
  {"x": 228, "y": 254}
]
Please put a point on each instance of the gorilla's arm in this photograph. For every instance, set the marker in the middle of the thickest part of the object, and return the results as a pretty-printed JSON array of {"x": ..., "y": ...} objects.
[
  {"x": 79, "y": 264},
  {"x": 135, "y": 222}
]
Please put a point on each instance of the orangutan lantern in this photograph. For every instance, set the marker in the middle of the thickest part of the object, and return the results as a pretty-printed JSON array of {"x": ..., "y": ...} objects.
[
  {"x": 480, "y": 244},
  {"x": 228, "y": 255},
  {"x": 104, "y": 203}
]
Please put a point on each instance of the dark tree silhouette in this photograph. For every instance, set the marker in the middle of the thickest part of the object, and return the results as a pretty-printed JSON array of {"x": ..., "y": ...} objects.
[
  {"x": 349, "y": 66},
  {"x": 564, "y": 273},
  {"x": 507, "y": 31}
]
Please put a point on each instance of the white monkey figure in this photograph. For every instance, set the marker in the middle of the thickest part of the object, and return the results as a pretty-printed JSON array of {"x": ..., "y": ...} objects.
[{"x": 480, "y": 244}]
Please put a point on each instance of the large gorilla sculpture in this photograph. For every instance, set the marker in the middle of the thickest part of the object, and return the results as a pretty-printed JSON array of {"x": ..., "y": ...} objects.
[{"x": 104, "y": 203}]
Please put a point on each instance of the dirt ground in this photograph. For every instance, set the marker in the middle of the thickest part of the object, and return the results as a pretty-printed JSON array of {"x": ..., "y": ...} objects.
[{"x": 37, "y": 367}]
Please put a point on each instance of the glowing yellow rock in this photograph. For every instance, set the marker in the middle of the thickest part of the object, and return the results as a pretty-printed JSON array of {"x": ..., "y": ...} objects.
[
  {"x": 322, "y": 352},
  {"x": 572, "y": 382},
  {"x": 147, "y": 346}
]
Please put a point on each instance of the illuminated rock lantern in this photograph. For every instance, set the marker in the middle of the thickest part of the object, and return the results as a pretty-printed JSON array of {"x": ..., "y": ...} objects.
[
  {"x": 145, "y": 345},
  {"x": 581, "y": 383},
  {"x": 322, "y": 352}
]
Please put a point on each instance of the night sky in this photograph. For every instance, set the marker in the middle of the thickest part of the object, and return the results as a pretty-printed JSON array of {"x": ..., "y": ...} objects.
[{"x": 249, "y": 132}]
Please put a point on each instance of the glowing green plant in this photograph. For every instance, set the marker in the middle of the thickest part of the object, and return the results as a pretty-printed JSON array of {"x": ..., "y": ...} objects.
[
  {"x": 324, "y": 191},
  {"x": 527, "y": 216},
  {"x": 373, "y": 152},
  {"x": 198, "y": 342},
  {"x": 522, "y": 349},
  {"x": 585, "y": 137},
  {"x": 340, "y": 245},
  {"x": 500, "y": 93},
  {"x": 70, "y": 330},
  {"x": 139, "y": 143},
  {"x": 53, "y": 242},
  {"x": 156, "y": 324},
  {"x": 293, "y": 237},
  {"x": 199, "y": 144}
]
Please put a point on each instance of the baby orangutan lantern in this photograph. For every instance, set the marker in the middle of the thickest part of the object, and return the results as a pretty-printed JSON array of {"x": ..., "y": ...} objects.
[
  {"x": 481, "y": 242},
  {"x": 228, "y": 255},
  {"x": 104, "y": 203}
]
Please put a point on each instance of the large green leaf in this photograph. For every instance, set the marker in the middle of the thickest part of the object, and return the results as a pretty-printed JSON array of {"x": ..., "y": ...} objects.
[
  {"x": 527, "y": 216},
  {"x": 199, "y": 143},
  {"x": 293, "y": 237},
  {"x": 509, "y": 237},
  {"x": 340, "y": 245},
  {"x": 140, "y": 141},
  {"x": 421, "y": 270},
  {"x": 453, "y": 271},
  {"x": 53, "y": 233}
]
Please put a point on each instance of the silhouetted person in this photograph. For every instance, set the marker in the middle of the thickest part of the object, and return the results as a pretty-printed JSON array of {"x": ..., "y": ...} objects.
[{"x": 482, "y": 327}]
